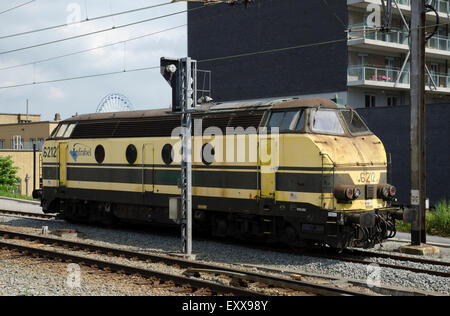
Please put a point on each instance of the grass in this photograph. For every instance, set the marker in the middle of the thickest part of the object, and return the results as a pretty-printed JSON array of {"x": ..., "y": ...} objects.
[
  {"x": 438, "y": 220},
  {"x": 15, "y": 195}
]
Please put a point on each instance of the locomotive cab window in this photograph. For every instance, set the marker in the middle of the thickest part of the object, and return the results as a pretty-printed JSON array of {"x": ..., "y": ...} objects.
[
  {"x": 282, "y": 120},
  {"x": 300, "y": 126},
  {"x": 354, "y": 122},
  {"x": 326, "y": 122},
  {"x": 62, "y": 129},
  {"x": 69, "y": 130}
]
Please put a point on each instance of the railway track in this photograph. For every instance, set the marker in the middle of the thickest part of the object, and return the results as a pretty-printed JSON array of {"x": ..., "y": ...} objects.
[
  {"x": 353, "y": 257},
  {"x": 240, "y": 280},
  {"x": 27, "y": 214},
  {"x": 348, "y": 255}
]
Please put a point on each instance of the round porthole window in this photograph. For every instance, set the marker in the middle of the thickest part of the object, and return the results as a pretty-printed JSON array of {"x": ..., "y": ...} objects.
[
  {"x": 167, "y": 154},
  {"x": 131, "y": 154},
  {"x": 100, "y": 154},
  {"x": 208, "y": 153}
]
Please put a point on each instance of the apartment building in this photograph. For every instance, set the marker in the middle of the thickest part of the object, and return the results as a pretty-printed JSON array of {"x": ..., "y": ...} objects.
[
  {"x": 378, "y": 64},
  {"x": 301, "y": 48}
]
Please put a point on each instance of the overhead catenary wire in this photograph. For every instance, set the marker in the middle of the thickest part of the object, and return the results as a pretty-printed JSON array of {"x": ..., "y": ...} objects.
[
  {"x": 261, "y": 52},
  {"x": 87, "y": 19},
  {"x": 157, "y": 67},
  {"x": 112, "y": 44},
  {"x": 96, "y": 32},
  {"x": 91, "y": 49},
  {"x": 17, "y": 7}
]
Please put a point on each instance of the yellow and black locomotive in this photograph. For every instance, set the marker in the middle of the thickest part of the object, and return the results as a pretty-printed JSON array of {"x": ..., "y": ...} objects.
[{"x": 299, "y": 171}]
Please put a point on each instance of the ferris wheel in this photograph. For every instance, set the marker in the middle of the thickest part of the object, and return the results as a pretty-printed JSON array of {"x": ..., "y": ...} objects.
[{"x": 114, "y": 102}]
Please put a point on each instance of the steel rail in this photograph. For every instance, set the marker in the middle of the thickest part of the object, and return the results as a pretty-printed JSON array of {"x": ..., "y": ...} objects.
[
  {"x": 386, "y": 265},
  {"x": 179, "y": 281},
  {"x": 27, "y": 214},
  {"x": 297, "y": 285},
  {"x": 395, "y": 257}
]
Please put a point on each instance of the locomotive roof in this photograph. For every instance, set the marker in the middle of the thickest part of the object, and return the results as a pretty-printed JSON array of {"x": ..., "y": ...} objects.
[{"x": 217, "y": 108}]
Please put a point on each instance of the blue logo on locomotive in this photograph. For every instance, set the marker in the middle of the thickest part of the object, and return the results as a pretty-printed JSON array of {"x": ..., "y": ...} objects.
[{"x": 80, "y": 150}]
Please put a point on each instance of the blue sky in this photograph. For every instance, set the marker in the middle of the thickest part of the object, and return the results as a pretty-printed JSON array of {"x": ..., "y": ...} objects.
[{"x": 145, "y": 89}]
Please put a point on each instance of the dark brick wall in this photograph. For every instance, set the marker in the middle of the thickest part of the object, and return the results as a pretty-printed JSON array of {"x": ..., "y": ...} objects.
[
  {"x": 222, "y": 30},
  {"x": 392, "y": 126}
]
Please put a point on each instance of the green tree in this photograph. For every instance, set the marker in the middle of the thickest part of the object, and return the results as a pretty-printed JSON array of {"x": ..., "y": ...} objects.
[{"x": 8, "y": 178}]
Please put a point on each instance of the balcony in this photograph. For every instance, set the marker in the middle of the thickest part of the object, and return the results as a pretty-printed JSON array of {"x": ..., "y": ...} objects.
[
  {"x": 395, "y": 41},
  {"x": 361, "y": 76},
  {"x": 442, "y": 6}
]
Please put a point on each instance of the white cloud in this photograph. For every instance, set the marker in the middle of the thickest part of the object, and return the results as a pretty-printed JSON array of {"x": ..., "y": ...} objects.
[
  {"x": 145, "y": 89},
  {"x": 56, "y": 94}
]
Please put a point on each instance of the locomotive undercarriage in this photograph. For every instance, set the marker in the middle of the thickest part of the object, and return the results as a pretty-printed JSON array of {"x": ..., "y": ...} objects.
[{"x": 316, "y": 227}]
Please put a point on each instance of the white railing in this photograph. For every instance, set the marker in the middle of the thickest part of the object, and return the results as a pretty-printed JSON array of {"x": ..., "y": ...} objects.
[
  {"x": 439, "y": 42},
  {"x": 395, "y": 36},
  {"x": 362, "y": 73},
  {"x": 404, "y": 2},
  {"x": 365, "y": 32},
  {"x": 441, "y": 6}
]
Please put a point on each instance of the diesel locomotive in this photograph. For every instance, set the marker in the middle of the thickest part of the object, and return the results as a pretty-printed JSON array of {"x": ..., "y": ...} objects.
[{"x": 297, "y": 171}]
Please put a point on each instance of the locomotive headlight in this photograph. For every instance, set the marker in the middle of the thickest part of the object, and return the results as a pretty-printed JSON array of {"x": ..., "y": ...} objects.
[
  {"x": 392, "y": 191},
  {"x": 345, "y": 193},
  {"x": 356, "y": 193},
  {"x": 349, "y": 193},
  {"x": 386, "y": 191}
]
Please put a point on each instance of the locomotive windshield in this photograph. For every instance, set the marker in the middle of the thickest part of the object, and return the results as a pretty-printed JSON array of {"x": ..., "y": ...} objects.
[
  {"x": 327, "y": 122},
  {"x": 354, "y": 122}
]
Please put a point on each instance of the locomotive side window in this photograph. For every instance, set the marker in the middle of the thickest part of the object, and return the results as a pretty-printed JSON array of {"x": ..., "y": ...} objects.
[
  {"x": 354, "y": 122},
  {"x": 208, "y": 153},
  {"x": 275, "y": 119},
  {"x": 62, "y": 129},
  {"x": 167, "y": 154},
  {"x": 69, "y": 130},
  {"x": 301, "y": 121},
  {"x": 100, "y": 154},
  {"x": 282, "y": 120},
  {"x": 131, "y": 154},
  {"x": 327, "y": 122}
]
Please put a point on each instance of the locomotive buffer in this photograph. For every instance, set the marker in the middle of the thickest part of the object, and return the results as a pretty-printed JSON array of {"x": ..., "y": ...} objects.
[{"x": 181, "y": 74}]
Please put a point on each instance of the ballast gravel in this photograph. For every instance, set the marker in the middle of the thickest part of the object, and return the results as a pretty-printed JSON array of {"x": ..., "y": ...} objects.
[{"x": 226, "y": 254}]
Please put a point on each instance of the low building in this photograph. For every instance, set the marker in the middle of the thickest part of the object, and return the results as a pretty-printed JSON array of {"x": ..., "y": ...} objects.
[
  {"x": 18, "y": 134},
  {"x": 6, "y": 118},
  {"x": 24, "y": 161},
  {"x": 22, "y": 136}
]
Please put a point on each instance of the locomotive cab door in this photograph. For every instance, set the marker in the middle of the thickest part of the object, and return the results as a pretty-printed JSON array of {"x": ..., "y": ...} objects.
[
  {"x": 62, "y": 153},
  {"x": 268, "y": 164},
  {"x": 148, "y": 167}
]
